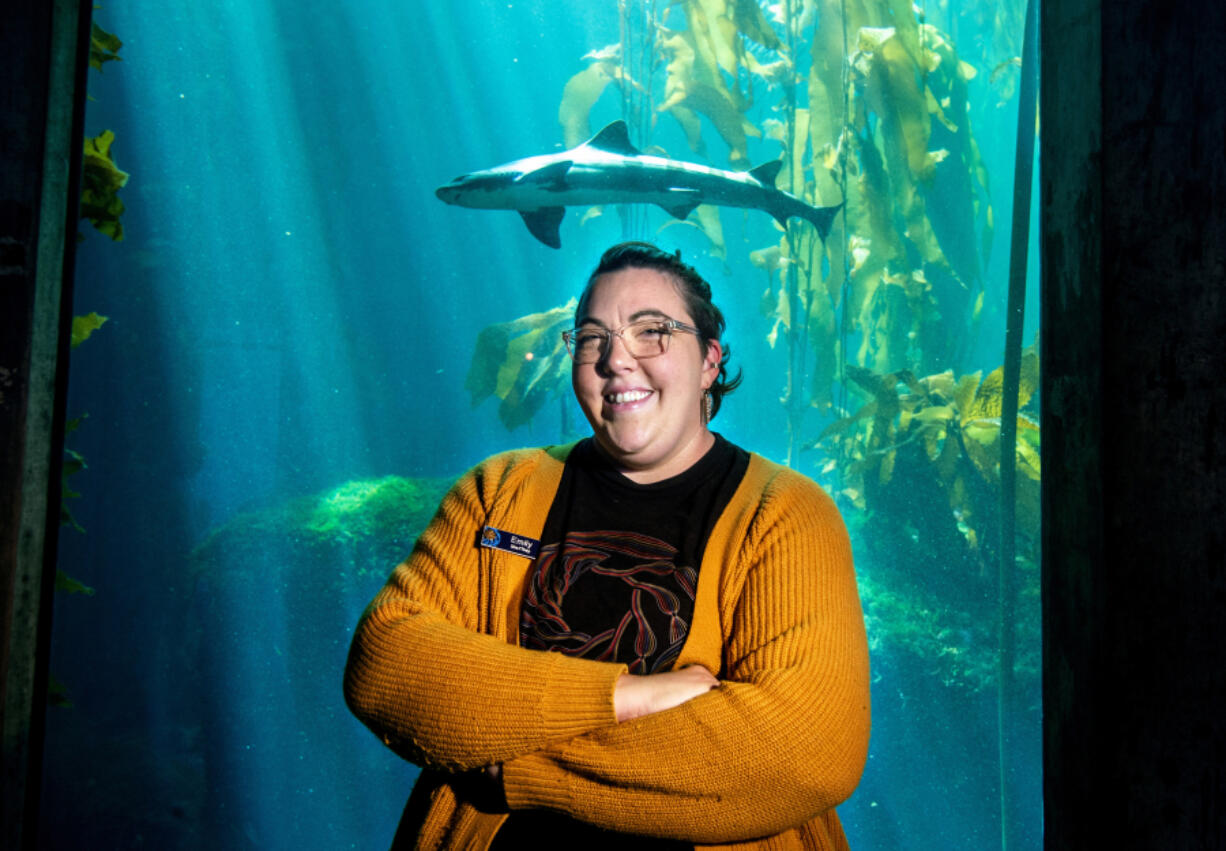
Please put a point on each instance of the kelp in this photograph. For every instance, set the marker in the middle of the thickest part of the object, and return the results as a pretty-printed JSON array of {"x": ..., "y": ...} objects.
[
  {"x": 103, "y": 47},
  {"x": 705, "y": 219},
  {"x": 101, "y": 181},
  {"x": 523, "y": 363},
  {"x": 696, "y": 87},
  {"x": 584, "y": 89},
  {"x": 100, "y": 203},
  {"x": 73, "y": 463},
  {"x": 704, "y": 72},
  {"x": 703, "y": 67},
  {"x": 948, "y": 431},
  {"x": 920, "y": 466},
  {"x": 68, "y": 585},
  {"x": 922, "y": 189},
  {"x": 84, "y": 326}
]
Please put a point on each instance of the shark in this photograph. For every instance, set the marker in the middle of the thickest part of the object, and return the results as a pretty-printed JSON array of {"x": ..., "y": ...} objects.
[{"x": 608, "y": 169}]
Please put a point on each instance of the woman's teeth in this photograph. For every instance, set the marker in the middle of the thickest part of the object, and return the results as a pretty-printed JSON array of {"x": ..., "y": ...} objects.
[{"x": 631, "y": 396}]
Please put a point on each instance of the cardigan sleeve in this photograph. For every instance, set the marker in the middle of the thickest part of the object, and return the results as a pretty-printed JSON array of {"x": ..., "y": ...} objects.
[
  {"x": 435, "y": 689},
  {"x": 784, "y": 737}
]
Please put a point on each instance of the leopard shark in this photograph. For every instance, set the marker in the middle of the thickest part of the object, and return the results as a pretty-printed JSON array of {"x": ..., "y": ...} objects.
[{"x": 608, "y": 169}]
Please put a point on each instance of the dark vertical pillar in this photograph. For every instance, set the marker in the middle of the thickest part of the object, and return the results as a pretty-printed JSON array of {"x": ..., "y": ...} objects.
[
  {"x": 1134, "y": 426},
  {"x": 44, "y": 45}
]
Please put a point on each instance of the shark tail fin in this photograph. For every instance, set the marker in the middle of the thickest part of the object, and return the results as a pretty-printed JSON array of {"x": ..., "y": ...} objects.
[{"x": 819, "y": 217}]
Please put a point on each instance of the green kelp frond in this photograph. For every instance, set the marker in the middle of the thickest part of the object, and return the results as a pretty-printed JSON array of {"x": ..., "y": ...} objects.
[
  {"x": 74, "y": 462},
  {"x": 705, "y": 219},
  {"x": 101, "y": 181},
  {"x": 695, "y": 86},
  {"x": 84, "y": 326},
  {"x": 103, "y": 47},
  {"x": 905, "y": 411},
  {"x": 584, "y": 89},
  {"x": 522, "y": 362},
  {"x": 65, "y": 583}
]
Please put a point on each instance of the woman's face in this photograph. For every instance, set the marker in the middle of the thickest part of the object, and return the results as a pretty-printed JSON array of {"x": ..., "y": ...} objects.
[{"x": 645, "y": 414}]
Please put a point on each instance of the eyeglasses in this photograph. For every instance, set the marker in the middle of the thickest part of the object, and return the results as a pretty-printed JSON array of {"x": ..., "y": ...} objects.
[{"x": 646, "y": 338}]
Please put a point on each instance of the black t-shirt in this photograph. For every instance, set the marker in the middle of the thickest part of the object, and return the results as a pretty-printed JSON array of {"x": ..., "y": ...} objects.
[
  {"x": 618, "y": 566},
  {"x": 615, "y": 581}
]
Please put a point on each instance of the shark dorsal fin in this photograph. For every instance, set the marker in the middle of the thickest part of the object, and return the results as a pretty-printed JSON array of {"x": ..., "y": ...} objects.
[
  {"x": 615, "y": 139},
  {"x": 767, "y": 173}
]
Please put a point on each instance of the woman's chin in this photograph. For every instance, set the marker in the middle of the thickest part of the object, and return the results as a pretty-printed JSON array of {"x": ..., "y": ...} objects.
[{"x": 627, "y": 451}]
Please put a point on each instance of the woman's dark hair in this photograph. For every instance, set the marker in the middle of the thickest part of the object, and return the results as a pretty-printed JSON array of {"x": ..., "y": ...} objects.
[{"x": 694, "y": 290}]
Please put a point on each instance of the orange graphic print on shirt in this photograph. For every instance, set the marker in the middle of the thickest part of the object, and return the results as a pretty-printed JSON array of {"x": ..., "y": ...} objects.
[{"x": 612, "y": 597}]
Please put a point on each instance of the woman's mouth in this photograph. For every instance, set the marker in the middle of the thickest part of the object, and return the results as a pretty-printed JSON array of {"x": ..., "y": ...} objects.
[{"x": 626, "y": 397}]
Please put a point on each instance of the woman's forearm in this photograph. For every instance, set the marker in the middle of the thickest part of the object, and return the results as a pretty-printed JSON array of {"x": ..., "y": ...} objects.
[
  {"x": 448, "y": 698},
  {"x": 636, "y": 696},
  {"x": 742, "y": 761}
]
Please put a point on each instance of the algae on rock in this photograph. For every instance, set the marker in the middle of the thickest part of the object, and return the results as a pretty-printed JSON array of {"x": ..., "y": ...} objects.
[{"x": 361, "y": 527}]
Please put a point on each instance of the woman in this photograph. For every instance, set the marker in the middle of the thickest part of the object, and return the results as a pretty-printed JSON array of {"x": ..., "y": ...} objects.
[{"x": 704, "y": 679}]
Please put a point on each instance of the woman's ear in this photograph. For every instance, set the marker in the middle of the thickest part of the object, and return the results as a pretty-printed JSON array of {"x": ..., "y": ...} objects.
[{"x": 710, "y": 364}]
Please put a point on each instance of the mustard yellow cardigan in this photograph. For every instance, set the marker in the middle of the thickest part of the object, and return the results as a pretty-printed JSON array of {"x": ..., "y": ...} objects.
[{"x": 759, "y": 762}]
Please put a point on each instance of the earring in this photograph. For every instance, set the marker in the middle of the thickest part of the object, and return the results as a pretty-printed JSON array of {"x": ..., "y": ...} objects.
[{"x": 708, "y": 403}]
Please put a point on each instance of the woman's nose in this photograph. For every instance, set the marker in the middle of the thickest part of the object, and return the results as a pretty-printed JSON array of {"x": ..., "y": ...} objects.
[{"x": 618, "y": 357}]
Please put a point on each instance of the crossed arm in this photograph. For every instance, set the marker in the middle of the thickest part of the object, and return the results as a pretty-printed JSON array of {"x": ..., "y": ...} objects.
[{"x": 781, "y": 739}]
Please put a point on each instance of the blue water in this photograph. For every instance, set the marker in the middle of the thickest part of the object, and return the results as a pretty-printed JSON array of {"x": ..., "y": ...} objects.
[{"x": 292, "y": 309}]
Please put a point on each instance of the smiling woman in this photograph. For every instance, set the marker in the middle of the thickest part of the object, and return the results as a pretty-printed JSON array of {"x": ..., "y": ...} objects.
[
  {"x": 645, "y": 407},
  {"x": 669, "y": 649}
]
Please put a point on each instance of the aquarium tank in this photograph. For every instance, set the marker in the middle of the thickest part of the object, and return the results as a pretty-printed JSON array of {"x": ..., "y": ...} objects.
[{"x": 289, "y": 341}]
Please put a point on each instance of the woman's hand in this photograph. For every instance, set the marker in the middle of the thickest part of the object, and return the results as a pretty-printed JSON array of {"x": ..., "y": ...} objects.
[
  {"x": 637, "y": 695},
  {"x": 482, "y": 788}
]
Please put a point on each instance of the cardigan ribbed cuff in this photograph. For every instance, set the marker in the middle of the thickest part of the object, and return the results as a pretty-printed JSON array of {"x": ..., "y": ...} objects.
[
  {"x": 578, "y": 696},
  {"x": 534, "y": 782}
]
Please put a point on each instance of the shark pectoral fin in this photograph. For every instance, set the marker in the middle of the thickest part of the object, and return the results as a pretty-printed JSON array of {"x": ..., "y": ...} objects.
[
  {"x": 767, "y": 173},
  {"x": 544, "y": 224},
  {"x": 681, "y": 202},
  {"x": 552, "y": 175}
]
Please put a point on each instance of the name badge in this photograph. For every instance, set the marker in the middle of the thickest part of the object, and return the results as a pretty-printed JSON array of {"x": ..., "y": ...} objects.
[{"x": 497, "y": 539}]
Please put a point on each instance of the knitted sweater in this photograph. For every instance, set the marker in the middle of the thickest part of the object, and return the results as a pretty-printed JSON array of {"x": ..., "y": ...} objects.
[{"x": 435, "y": 672}]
